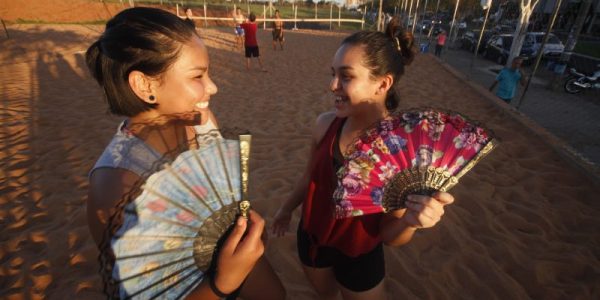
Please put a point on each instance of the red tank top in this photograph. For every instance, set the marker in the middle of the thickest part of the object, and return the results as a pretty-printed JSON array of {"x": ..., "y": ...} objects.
[{"x": 352, "y": 236}]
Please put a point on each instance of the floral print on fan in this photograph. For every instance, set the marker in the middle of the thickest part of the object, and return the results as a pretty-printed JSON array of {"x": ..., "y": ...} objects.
[{"x": 416, "y": 138}]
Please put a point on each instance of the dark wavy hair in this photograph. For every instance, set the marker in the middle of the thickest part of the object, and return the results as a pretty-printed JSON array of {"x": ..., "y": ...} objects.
[
  {"x": 386, "y": 53},
  {"x": 145, "y": 39}
]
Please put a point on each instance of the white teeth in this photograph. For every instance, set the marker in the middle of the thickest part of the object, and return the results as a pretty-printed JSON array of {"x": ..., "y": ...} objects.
[{"x": 202, "y": 105}]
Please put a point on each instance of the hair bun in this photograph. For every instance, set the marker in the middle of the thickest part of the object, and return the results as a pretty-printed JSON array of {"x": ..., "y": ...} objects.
[{"x": 402, "y": 39}]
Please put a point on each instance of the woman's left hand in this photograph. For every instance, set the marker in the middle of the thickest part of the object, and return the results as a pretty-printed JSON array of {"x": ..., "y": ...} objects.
[{"x": 424, "y": 211}]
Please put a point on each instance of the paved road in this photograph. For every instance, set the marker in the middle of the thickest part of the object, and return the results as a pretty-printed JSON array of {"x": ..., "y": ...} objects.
[{"x": 573, "y": 118}]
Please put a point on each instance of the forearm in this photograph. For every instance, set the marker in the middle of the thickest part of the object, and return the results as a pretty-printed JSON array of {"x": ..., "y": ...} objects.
[
  {"x": 297, "y": 195},
  {"x": 395, "y": 231}
]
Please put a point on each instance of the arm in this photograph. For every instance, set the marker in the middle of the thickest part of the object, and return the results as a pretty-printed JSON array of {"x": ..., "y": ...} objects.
[
  {"x": 493, "y": 85},
  {"x": 398, "y": 227},
  {"x": 283, "y": 216},
  {"x": 524, "y": 78},
  {"x": 107, "y": 187}
]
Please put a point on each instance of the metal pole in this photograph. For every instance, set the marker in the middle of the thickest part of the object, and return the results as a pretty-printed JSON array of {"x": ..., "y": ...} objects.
[
  {"x": 409, "y": 12},
  {"x": 264, "y": 17},
  {"x": 340, "y": 16},
  {"x": 421, "y": 26},
  {"x": 480, "y": 37},
  {"x": 362, "y": 24},
  {"x": 453, "y": 19},
  {"x": 379, "y": 16},
  {"x": 540, "y": 52},
  {"x": 330, "y": 14},
  {"x": 415, "y": 18},
  {"x": 295, "y": 16},
  {"x": 205, "y": 21}
]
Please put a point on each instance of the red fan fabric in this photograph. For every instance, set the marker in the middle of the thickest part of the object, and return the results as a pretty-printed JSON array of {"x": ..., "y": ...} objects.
[{"x": 411, "y": 139}]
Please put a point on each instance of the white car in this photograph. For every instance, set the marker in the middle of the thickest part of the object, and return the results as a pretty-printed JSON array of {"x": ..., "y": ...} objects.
[{"x": 553, "y": 48}]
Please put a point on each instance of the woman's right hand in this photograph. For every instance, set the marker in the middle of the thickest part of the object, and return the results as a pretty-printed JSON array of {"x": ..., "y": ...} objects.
[
  {"x": 240, "y": 253},
  {"x": 281, "y": 222}
]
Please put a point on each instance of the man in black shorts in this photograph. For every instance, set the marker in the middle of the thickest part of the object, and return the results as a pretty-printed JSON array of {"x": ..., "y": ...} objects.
[
  {"x": 278, "y": 31},
  {"x": 250, "y": 42}
]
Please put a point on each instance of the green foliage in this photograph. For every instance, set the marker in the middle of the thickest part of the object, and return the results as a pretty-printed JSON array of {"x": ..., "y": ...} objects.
[{"x": 588, "y": 48}]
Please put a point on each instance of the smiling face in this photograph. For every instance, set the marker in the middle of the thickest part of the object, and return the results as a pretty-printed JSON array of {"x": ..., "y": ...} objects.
[
  {"x": 352, "y": 84},
  {"x": 186, "y": 85}
]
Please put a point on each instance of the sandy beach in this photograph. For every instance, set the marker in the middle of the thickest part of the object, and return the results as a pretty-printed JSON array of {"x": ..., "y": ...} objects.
[{"x": 524, "y": 224}]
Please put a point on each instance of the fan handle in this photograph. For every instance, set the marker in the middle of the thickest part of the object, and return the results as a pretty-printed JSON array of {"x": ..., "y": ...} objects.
[{"x": 244, "y": 159}]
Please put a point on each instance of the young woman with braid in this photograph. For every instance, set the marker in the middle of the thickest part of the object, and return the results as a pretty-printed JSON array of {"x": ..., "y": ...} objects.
[{"x": 154, "y": 71}]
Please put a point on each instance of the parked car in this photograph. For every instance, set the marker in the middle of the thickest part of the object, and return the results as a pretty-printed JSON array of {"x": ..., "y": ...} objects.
[
  {"x": 508, "y": 29},
  {"x": 553, "y": 48},
  {"x": 498, "y": 49},
  {"x": 425, "y": 25},
  {"x": 469, "y": 40}
]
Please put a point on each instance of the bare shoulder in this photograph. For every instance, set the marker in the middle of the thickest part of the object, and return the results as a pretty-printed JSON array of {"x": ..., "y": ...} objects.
[
  {"x": 323, "y": 122},
  {"x": 108, "y": 186}
]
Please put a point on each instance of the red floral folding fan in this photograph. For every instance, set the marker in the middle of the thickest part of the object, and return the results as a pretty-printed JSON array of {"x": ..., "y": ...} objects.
[{"x": 410, "y": 152}]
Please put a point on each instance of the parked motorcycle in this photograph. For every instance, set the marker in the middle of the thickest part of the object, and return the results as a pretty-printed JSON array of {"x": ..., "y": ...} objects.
[{"x": 578, "y": 82}]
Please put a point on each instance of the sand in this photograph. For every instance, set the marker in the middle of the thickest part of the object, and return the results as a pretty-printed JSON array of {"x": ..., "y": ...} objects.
[{"x": 524, "y": 224}]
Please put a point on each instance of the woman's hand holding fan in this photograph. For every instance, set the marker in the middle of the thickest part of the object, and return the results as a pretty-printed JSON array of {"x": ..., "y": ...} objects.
[{"x": 240, "y": 252}]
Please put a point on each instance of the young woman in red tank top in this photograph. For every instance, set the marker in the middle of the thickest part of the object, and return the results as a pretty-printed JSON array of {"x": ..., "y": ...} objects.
[{"x": 347, "y": 255}]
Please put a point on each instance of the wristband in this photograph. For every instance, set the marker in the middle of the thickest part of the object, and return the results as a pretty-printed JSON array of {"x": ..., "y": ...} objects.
[{"x": 215, "y": 289}]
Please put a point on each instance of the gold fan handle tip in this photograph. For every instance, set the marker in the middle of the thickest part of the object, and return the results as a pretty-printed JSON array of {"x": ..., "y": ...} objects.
[{"x": 244, "y": 208}]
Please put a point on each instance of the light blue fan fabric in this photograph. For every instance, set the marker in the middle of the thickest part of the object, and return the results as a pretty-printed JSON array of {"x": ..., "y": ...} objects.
[{"x": 166, "y": 217}]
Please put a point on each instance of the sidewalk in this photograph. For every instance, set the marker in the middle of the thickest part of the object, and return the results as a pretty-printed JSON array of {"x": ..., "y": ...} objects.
[{"x": 573, "y": 118}]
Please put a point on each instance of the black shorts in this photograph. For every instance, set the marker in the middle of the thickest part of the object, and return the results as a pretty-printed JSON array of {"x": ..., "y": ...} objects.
[
  {"x": 277, "y": 35},
  {"x": 357, "y": 274},
  {"x": 252, "y": 51}
]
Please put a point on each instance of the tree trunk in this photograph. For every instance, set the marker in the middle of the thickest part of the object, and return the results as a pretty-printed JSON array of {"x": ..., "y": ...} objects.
[
  {"x": 570, "y": 44},
  {"x": 527, "y": 7}
]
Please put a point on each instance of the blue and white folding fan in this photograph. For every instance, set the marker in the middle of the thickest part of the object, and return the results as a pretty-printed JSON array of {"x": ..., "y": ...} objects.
[{"x": 170, "y": 231}]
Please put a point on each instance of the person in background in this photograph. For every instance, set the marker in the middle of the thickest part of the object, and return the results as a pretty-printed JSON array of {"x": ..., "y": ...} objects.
[
  {"x": 250, "y": 41},
  {"x": 238, "y": 19},
  {"x": 440, "y": 42},
  {"x": 507, "y": 80},
  {"x": 278, "y": 31}
]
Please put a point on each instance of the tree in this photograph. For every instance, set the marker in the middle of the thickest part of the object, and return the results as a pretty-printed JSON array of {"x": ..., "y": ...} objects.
[{"x": 527, "y": 7}]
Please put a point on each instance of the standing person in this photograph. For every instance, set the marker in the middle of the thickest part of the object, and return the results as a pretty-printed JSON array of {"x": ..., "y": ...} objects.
[
  {"x": 277, "y": 31},
  {"x": 250, "y": 41},
  {"x": 347, "y": 254},
  {"x": 441, "y": 41},
  {"x": 189, "y": 15},
  {"x": 507, "y": 80},
  {"x": 238, "y": 19},
  {"x": 154, "y": 70}
]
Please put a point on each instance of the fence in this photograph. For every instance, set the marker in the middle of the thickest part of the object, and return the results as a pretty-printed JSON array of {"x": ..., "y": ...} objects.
[{"x": 225, "y": 16}]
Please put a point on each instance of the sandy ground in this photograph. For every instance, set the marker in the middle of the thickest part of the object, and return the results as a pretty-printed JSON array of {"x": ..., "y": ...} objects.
[{"x": 525, "y": 223}]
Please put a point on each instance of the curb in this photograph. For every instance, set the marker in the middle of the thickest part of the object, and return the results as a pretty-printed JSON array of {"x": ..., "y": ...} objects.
[{"x": 563, "y": 149}]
